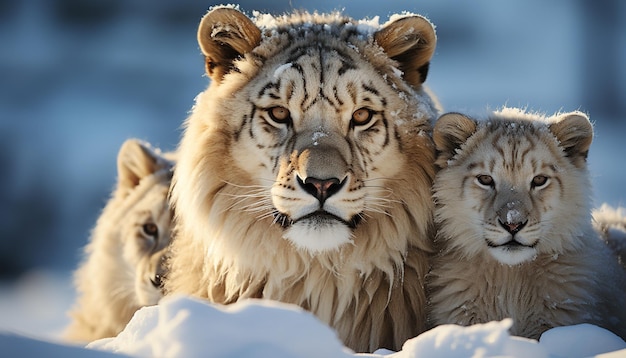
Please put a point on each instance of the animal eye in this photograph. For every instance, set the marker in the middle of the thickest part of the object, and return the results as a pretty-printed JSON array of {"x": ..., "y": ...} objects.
[
  {"x": 157, "y": 280},
  {"x": 539, "y": 181},
  {"x": 279, "y": 114},
  {"x": 362, "y": 116},
  {"x": 485, "y": 180},
  {"x": 151, "y": 229}
]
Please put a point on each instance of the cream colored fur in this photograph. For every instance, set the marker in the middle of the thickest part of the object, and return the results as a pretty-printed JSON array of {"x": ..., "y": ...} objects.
[
  {"x": 513, "y": 244},
  {"x": 123, "y": 261},
  {"x": 275, "y": 127},
  {"x": 611, "y": 224}
]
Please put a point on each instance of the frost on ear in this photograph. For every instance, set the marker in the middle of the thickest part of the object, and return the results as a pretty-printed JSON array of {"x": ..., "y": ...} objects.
[
  {"x": 450, "y": 132},
  {"x": 575, "y": 134},
  {"x": 411, "y": 42},
  {"x": 137, "y": 160},
  {"x": 224, "y": 35}
]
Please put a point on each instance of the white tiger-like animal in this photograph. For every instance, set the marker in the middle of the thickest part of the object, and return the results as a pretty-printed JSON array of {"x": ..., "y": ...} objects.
[
  {"x": 305, "y": 168},
  {"x": 514, "y": 226},
  {"x": 123, "y": 264},
  {"x": 611, "y": 224}
]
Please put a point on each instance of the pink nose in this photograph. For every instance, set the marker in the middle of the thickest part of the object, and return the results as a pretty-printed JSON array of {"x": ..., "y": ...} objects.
[
  {"x": 513, "y": 228},
  {"x": 322, "y": 189}
]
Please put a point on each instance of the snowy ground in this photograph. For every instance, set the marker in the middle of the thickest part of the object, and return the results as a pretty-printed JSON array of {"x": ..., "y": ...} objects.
[{"x": 185, "y": 327}]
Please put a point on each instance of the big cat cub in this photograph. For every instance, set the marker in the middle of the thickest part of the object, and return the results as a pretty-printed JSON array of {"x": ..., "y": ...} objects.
[
  {"x": 124, "y": 260},
  {"x": 515, "y": 236},
  {"x": 305, "y": 170}
]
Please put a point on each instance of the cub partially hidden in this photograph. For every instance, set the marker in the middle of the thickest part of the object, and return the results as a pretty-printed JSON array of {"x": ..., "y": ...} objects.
[
  {"x": 123, "y": 263},
  {"x": 611, "y": 224},
  {"x": 515, "y": 237}
]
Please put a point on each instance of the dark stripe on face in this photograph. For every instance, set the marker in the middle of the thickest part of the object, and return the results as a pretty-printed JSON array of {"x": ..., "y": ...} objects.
[
  {"x": 464, "y": 184},
  {"x": 336, "y": 94},
  {"x": 386, "y": 126},
  {"x": 370, "y": 89},
  {"x": 351, "y": 88},
  {"x": 273, "y": 87},
  {"x": 244, "y": 121},
  {"x": 345, "y": 67}
]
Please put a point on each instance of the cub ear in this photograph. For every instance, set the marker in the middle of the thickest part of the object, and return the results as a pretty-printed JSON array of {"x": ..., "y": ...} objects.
[
  {"x": 411, "y": 42},
  {"x": 137, "y": 160},
  {"x": 575, "y": 134},
  {"x": 450, "y": 132},
  {"x": 224, "y": 35}
]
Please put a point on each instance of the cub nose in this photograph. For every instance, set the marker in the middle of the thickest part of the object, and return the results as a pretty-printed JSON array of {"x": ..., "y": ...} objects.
[
  {"x": 321, "y": 189},
  {"x": 513, "y": 228}
]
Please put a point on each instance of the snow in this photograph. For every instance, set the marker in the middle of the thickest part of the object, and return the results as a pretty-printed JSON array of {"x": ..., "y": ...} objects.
[
  {"x": 186, "y": 327},
  {"x": 513, "y": 216},
  {"x": 279, "y": 71}
]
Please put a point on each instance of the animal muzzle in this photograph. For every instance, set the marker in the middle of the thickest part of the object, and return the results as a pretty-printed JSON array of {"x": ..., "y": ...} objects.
[
  {"x": 322, "y": 164},
  {"x": 513, "y": 216}
]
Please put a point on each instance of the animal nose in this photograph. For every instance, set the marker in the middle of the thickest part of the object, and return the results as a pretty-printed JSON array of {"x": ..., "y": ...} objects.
[
  {"x": 322, "y": 189},
  {"x": 513, "y": 228}
]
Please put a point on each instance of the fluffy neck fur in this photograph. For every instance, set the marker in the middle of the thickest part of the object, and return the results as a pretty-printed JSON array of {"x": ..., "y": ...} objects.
[
  {"x": 374, "y": 284},
  {"x": 579, "y": 285}
]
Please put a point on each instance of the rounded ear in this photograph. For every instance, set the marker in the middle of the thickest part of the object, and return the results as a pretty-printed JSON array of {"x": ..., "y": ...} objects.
[
  {"x": 411, "y": 42},
  {"x": 224, "y": 35},
  {"x": 450, "y": 132},
  {"x": 137, "y": 160},
  {"x": 575, "y": 134}
]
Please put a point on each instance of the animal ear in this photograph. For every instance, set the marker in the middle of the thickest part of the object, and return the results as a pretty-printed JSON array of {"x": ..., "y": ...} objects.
[
  {"x": 450, "y": 132},
  {"x": 137, "y": 160},
  {"x": 224, "y": 35},
  {"x": 575, "y": 134},
  {"x": 411, "y": 42}
]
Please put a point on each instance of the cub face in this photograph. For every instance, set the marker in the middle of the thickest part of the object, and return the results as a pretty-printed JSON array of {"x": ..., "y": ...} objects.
[
  {"x": 144, "y": 218},
  {"x": 316, "y": 130},
  {"x": 514, "y": 186},
  {"x": 145, "y": 242}
]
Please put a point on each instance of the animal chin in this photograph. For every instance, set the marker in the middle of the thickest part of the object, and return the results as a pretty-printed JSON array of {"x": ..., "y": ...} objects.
[
  {"x": 512, "y": 252},
  {"x": 318, "y": 232}
]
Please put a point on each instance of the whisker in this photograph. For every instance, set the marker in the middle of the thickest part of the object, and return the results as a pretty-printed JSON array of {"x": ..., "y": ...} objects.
[
  {"x": 262, "y": 187},
  {"x": 382, "y": 178}
]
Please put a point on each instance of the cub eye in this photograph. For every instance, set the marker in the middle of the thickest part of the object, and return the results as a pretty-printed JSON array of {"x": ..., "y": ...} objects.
[
  {"x": 279, "y": 114},
  {"x": 362, "y": 116},
  {"x": 150, "y": 229},
  {"x": 539, "y": 181},
  {"x": 157, "y": 280},
  {"x": 485, "y": 180}
]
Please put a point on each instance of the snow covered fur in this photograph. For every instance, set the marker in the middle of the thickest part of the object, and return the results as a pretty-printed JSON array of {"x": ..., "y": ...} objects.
[
  {"x": 123, "y": 262},
  {"x": 514, "y": 226},
  {"x": 305, "y": 169}
]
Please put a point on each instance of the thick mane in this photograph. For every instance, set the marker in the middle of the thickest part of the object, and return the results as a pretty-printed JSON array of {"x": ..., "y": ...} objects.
[
  {"x": 230, "y": 243},
  {"x": 247, "y": 257}
]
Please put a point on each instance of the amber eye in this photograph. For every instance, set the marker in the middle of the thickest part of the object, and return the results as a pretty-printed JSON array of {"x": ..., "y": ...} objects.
[
  {"x": 539, "y": 181},
  {"x": 485, "y": 180},
  {"x": 279, "y": 114},
  {"x": 151, "y": 229},
  {"x": 362, "y": 116}
]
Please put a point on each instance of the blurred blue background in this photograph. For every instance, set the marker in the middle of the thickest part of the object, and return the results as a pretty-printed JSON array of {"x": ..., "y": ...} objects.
[{"x": 78, "y": 77}]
